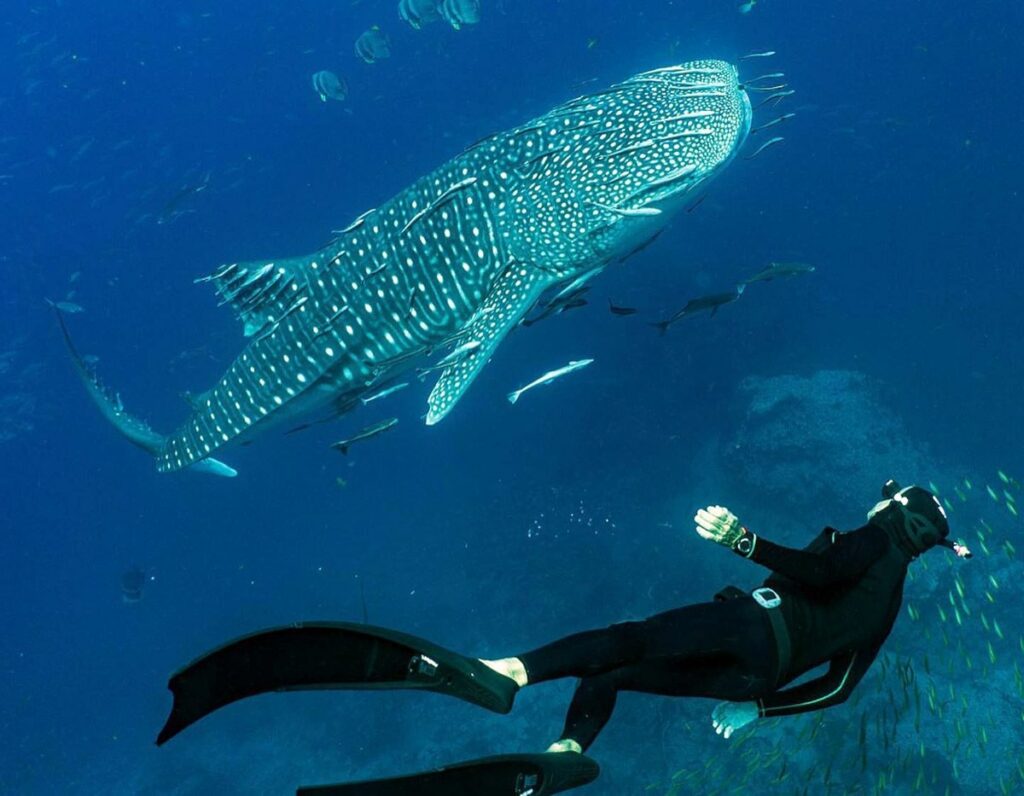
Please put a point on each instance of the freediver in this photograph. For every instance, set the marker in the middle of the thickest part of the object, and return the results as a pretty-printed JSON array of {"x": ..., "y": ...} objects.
[{"x": 834, "y": 602}]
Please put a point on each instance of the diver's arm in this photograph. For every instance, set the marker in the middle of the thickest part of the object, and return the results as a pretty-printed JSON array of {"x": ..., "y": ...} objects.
[
  {"x": 832, "y": 688},
  {"x": 845, "y": 560}
]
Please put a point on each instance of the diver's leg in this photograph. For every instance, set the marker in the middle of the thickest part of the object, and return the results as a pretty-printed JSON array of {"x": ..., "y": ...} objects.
[
  {"x": 734, "y": 675},
  {"x": 591, "y": 707},
  {"x": 683, "y": 632},
  {"x": 579, "y": 655},
  {"x": 593, "y": 655}
]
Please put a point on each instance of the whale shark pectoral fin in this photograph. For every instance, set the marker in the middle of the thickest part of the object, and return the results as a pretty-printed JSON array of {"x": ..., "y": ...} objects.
[
  {"x": 454, "y": 381},
  {"x": 214, "y": 467},
  {"x": 511, "y": 298}
]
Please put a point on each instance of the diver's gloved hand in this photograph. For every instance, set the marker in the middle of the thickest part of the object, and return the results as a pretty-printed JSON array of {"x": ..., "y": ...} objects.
[
  {"x": 720, "y": 525},
  {"x": 727, "y": 717}
]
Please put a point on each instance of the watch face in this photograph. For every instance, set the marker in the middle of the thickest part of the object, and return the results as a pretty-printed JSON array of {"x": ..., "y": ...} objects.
[{"x": 743, "y": 545}]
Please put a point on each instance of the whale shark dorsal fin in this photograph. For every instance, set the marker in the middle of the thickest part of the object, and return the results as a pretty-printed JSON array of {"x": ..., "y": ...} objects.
[
  {"x": 261, "y": 292},
  {"x": 512, "y": 296}
]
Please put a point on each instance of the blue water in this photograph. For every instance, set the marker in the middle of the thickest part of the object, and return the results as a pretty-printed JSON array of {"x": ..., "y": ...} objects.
[{"x": 502, "y": 527}]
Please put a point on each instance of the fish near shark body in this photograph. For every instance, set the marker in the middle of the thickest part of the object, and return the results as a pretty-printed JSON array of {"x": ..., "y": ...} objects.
[
  {"x": 461, "y": 255},
  {"x": 710, "y": 303},
  {"x": 775, "y": 270},
  {"x": 367, "y": 433},
  {"x": 550, "y": 376}
]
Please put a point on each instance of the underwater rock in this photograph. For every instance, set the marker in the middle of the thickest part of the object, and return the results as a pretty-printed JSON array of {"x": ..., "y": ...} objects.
[
  {"x": 828, "y": 437},
  {"x": 373, "y": 45}
]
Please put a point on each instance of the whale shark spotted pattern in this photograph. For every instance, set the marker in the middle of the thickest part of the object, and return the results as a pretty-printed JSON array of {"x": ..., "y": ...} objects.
[{"x": 460, "y": 256}]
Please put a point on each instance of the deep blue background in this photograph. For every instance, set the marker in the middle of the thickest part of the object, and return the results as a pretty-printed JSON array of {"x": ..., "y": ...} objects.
[{"x": 900, "y": 179}]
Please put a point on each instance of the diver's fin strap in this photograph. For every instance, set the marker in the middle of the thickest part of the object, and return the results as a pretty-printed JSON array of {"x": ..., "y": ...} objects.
[
  {"x": 510, "y": 775},
  {"x": 328, "y": 655}
]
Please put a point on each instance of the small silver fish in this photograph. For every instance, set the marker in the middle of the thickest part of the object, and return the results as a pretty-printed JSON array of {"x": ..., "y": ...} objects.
[
  {"x": 454, "y": 358},
  {"x": 385, "y": 392},
  {"x": 626, "y": 212},
  {"x": 549, "y": 377},
  {"x": 616, "y": 310},
  {"x": 709, "y": 303},
  {"x": 458, "y": 354},
  {"x": 367, "y": 433},
  {"x": 563, "y": 302},
  {"x": 66, "y": 306},
  {"x": 173, "y": 208},
  {"x": 773, "y": 270}
]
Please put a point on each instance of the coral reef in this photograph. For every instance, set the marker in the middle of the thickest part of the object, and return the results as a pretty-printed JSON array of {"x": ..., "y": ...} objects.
[{"x": 827, "y": 436}]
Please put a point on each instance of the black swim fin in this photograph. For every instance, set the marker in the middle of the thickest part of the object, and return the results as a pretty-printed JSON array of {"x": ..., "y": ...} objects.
[
  {"x": 328, "y": 655},
  {"x": 504, "y": 775}
]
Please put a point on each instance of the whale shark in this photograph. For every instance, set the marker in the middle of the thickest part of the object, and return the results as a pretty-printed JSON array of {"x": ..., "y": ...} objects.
[{"x": 455, "y": 261}]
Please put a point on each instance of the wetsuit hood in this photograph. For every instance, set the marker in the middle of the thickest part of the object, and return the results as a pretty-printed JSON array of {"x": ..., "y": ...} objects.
[
  {"x": 912, "y": 517},
  {"x": 890, "y": 520}
]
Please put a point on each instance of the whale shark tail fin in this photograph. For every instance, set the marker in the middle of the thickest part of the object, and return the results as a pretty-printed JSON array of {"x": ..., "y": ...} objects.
[{"x": 135, "y": 430}]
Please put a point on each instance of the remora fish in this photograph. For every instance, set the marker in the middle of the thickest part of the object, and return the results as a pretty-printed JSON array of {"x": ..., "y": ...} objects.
[
  {"x": 466, "y": 251},
  {"x": 709, "y": 303},
  {"x": 367, "y": 433},
  {"x": 773, "y": 270},
  {"x": 173, "y": 207},
  {"x": 65, "y": 306},
  {"x": 385, "y": 392},
  {"x": 549, "y": 377},
  {"x": 559, "y": 304}
]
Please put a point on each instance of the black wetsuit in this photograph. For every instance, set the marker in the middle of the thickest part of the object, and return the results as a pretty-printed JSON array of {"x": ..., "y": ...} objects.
[{"x": 840, "y": 597}]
